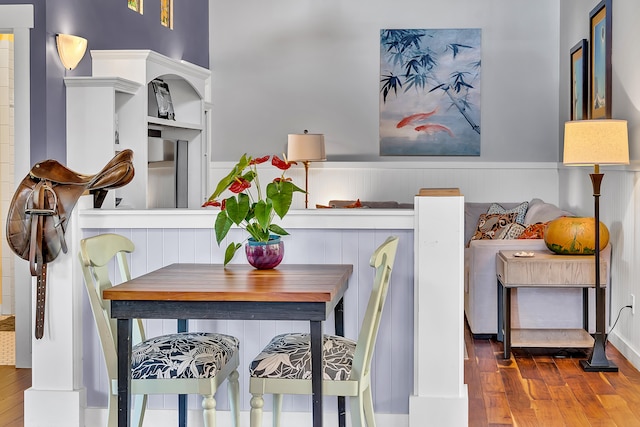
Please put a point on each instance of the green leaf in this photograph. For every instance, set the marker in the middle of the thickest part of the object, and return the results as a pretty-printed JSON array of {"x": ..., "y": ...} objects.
[
  {"x": 258, "y": 233},
  {"x": 276, "y": 229},
  {"x": 236, "y": 172},
  {"x": 231, "y": 251},
  {"x": 237, "y": 208},
  {"x": 222, "y": 226},
  {"x": 262, "y": 211},
  {"x": 281, "y": 195}
]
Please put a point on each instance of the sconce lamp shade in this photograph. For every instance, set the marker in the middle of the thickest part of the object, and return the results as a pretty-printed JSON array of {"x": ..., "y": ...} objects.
[
  {"x": 71, "y": 49},
  {"x": 596, "y": 142},
  {"x": 306, "y": 147}
]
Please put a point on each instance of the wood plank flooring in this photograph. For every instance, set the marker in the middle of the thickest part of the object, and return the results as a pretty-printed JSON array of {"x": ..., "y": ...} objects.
[
  {"x": 541, "y": 389},
  {"x": 532, "y": 388}
]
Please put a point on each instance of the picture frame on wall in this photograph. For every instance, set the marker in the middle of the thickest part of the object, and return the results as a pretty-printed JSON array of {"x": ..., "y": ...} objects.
[
  {"x": 579, "y": 55},
  {"x": 600, "y": 30}
]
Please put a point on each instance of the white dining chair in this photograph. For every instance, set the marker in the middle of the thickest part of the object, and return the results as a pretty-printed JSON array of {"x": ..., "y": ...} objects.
[
  {"x": 284, "y": 365},
  {"x": 180, "y": 363}
]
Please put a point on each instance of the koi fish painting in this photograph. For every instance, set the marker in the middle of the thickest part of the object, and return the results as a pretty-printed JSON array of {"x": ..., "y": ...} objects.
[{"x": 430, "y": 92}]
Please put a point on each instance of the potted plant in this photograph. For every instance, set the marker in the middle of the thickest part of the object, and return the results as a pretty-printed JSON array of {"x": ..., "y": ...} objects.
[{"x": 251, "y": 208}]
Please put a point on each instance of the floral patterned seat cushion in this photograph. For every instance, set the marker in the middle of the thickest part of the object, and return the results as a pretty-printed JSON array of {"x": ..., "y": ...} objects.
[
  {"x": 182, "y": 355},
  {"x": 289, "y": 356}
]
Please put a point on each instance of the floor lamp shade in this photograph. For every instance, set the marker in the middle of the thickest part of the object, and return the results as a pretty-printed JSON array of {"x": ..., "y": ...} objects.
[
  {"x": 306, "y": 147},
  {"x": 596, "y": 142}
]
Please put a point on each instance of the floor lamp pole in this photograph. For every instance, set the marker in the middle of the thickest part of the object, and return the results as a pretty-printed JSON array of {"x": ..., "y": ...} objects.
[{"x": 598, "y": 361}]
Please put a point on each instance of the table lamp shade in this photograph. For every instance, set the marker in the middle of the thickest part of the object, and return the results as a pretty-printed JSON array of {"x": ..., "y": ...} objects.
[
  {"x": 306, "y": 147},
  {"x": 596, "y": 142}
]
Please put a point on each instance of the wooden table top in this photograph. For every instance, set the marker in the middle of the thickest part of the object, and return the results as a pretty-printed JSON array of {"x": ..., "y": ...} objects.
[{"x": 214, "y": 282}]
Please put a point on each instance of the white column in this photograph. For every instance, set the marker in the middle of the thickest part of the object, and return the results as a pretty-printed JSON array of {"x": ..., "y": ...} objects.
[
  {"x": 57, "y": 396},
  {"x": 439, "y": 393}
]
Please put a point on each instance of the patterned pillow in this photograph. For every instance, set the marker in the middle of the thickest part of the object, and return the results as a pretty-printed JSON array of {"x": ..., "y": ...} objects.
[
  {"x": 490, "y": 226},
  {"x": 534, "y": 231},
  {"x": 511, "y": 231},
  {"x": 520, "y": 210}
]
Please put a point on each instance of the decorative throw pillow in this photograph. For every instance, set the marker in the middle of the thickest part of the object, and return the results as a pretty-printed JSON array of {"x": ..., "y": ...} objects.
[
  {"x": 534, "y": 231},
  {"x": 520, "y": 210},
  {"x": 490, "y": 226},
  {"x": 511, "y": 231}
]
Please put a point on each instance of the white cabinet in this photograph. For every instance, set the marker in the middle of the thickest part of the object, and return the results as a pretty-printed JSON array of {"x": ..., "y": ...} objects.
[{"x": 118, "y": 99}]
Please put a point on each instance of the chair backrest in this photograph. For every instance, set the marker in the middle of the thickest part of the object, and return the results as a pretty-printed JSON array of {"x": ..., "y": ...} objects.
[
  {"x": 382, "y": 260},
  {"x": 95, "y": 255}
]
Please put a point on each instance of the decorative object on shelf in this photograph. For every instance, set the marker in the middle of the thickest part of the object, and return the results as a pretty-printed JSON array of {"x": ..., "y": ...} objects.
[
  {"x": 71, "y": 49},
  {"x": 573, "y": 235},
  {"x": 254, "y": 210},
  {"x": 597, "y": 142},
  {"x": 600, "y": 30},
  {"x": 579, "y": 80},
  {"x": 264, "y": 255},
  {"x": 306, "y": 148},
  {"x": 163, "y": 98}
]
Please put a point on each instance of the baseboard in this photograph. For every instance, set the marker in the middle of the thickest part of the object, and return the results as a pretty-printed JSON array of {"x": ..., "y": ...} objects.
[
  {"x": 169, "y": 418},
  {"x": 625, "y": 348}
]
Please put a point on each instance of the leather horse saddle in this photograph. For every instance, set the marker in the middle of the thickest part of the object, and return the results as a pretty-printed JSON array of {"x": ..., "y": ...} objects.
[{"x": 41, "y": 208}]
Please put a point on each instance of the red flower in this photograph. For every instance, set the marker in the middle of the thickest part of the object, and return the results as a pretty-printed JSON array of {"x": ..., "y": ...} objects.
[
  {"x": 259, "y": 160},
  {"x": 211, "y": 203},
  {"x": 278, "y": 179},
  {"x": 239, "y": 185},
  {"x": 281, "y": 164},
  {"x": 224, "y": 204}
]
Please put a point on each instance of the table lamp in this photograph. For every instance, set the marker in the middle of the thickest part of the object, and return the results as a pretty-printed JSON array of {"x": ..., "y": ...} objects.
[
  {"x": 586, "y": 143},
  {"x": 306, "y": 148}
]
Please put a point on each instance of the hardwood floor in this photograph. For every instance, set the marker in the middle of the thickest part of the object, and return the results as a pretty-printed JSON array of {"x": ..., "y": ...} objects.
[
  {"x": 537, "y": 389},
  {"x": 13, "y": 382},
  {"x": 529, "y": 389}
]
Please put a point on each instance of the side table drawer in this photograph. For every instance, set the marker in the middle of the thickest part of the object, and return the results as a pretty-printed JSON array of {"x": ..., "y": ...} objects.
[{"x": 548, "y": 269}]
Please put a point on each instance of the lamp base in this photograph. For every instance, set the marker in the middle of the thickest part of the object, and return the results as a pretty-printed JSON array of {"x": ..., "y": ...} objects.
[{"x": 607, "y": 366}]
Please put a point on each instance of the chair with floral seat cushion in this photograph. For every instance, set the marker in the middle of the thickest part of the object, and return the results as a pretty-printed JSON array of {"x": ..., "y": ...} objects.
[
  {"x": 284, "y": 365},
  {"x": 180, "y": 363}
]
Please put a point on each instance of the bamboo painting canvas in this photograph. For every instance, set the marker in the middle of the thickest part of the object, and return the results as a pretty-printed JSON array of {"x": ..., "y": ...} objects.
[{"x": 430, "y": 92}]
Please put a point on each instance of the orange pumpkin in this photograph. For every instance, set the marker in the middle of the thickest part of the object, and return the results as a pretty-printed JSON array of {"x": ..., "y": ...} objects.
[{"x": 572, "y": 235}]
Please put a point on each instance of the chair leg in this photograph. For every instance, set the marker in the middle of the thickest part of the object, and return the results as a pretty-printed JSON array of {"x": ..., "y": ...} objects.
[
  {"x": 234, "y": 396},
  {"x": 277, "y": 409},
  {"x": 257, "y": 402},
  {"x": 367, "y": 401},
  {"x": 112, "y": 420},
  {"x": 139, "y": 407},
  {"x": 209, "y": 413},
  {"x": 357, "y": 411}
]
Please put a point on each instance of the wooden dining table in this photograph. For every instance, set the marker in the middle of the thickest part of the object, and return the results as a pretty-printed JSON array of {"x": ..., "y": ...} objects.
[{"x": 309, "y": 292}]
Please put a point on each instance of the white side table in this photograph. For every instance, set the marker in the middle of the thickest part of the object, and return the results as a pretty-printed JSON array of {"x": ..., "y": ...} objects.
[{"x": 544, "y": 270}]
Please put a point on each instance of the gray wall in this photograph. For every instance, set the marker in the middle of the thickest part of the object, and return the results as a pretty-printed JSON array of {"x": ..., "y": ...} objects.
[
  {"x": 625, "y": 61},
  {"x": 283, "y": 66}
]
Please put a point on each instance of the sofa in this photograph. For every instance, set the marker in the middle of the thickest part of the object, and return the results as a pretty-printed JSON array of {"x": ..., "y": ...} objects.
[{"x": 531, "y": 307}]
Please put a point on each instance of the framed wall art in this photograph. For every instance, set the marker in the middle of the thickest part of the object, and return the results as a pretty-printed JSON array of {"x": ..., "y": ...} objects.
[
  {"x": 166, "y": 13},
  {"x": 163, "y": 98},
  {"x": 135, "y": 5},
  {"x": 600, "y": 29},
  {"x": 579, "y": 80},
  {"x": 430, "y": 92}
]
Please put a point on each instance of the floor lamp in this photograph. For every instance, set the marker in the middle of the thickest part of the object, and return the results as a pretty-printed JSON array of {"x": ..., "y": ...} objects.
[
  {"x": 306, "y": 148},
  {"x": 586, "y": 143}
]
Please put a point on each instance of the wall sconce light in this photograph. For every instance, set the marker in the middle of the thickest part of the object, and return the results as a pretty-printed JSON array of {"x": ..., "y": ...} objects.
[
  {"x": 71, "y": 49},
  {"x": 306, "y": 148}
]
